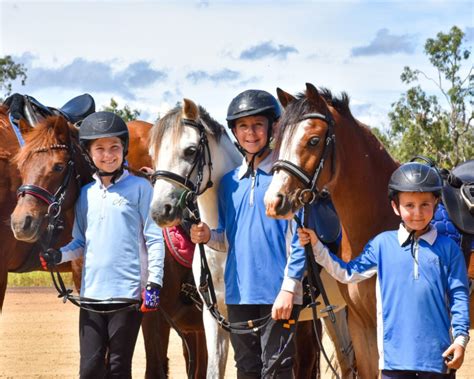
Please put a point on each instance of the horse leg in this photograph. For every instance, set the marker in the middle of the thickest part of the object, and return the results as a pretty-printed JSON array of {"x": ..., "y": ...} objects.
[
  {"x": 307, "y": 350},
  {"x": 3, "y": 279},
  {"x": 76, "y": 268},
  {"x": 217, "y": 340},
  {"x": 363, "y": 327},
  {"x": 338, "y": 332},
  {"x": 156, "y": 333},
  {"x": 194, "y": 343}
]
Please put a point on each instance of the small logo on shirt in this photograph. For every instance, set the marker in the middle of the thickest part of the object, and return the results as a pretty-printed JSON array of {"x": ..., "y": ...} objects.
[{"x": 120, "y": 202}]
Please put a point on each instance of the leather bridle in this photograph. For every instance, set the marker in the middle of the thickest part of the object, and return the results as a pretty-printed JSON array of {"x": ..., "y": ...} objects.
[
  {"x": 54, "y": 201},
  {"x": 202, "y": 159},
  {"x": 310, "y": 193}
]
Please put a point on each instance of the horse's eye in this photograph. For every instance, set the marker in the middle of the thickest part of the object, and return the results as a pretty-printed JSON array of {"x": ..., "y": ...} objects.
[
  {"x": 58, "y": 167},
  {"x": 190, "y": 151},
  {"x": 313, "y": 141}
]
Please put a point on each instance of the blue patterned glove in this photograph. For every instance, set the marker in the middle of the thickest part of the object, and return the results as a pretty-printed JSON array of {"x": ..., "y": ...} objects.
[{"x": 150, "y": 297}]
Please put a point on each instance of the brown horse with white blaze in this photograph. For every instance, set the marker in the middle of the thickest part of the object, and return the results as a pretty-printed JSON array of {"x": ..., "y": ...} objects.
[{"x": 319, "y": 135}]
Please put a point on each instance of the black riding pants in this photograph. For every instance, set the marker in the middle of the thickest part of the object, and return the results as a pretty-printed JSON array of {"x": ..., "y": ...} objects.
[
  {"x": 113, "y": 335},
  {"x": 399, "y": 374},
  {"x": 254, "y": 353}
]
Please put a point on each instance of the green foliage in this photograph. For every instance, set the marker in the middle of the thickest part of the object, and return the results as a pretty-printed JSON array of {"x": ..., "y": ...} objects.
[
  {"x": 10, "y": 71},
  {"x": 125, "y": 113},
  {"x": 420, "y": 124},
  {"x": 37, "y": 279}
]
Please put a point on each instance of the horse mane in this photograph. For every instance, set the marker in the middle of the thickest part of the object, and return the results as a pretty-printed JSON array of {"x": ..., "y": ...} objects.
[
  {"x": 3, "y": 109},
  {"x": 301, "y": 106},
  {"x": 172, "y": 121},
  {"x": 43, "y": 136}
]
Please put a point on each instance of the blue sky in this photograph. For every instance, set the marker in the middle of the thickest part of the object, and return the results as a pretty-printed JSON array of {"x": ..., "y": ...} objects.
[{"x": 150, "y": 55}]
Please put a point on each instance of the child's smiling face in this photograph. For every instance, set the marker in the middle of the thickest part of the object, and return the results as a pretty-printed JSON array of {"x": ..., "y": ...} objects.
[{"x": 416, "y": 209}]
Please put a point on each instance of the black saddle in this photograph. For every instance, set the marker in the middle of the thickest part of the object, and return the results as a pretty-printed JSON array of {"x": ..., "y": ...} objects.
[
  {"x": 27, "y": 107},
  {"x": 78, "y": 108},
  {"x": 458, "y": 196}
]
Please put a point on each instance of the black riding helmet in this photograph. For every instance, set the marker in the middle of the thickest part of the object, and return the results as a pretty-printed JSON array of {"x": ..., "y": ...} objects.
[
  {"x": 254, "y": 102},
  {"x": 414, "y": 177},
  {"x": 102, "y": 125}
]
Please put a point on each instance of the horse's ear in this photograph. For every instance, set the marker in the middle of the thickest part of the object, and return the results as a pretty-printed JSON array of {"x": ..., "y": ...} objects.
[
  {"x": 313, "y": 95},
  {"x": 284, "y": 97},
  {"x": 190, "y": 110},
  {"x": 61, "y": 129},
  {"x": 24, "y": 126}
]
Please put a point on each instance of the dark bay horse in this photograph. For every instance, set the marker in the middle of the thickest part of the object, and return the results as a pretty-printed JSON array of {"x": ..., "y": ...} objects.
[
  {"x": 318, "y": 134},
  {"x": 43, "y": 162}
]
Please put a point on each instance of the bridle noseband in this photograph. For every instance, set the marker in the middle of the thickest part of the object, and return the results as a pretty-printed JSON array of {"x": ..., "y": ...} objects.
[
  {"x": 310, "y": 193},
  {"x": 201, "y": 159}
]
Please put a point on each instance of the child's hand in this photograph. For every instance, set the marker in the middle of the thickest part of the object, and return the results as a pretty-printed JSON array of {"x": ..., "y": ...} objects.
[
  {"x": 457, "y": 352},
  {"x": 283, "y": 305},
  {"x": 306, "y": 236},
  {"x": 200, "y": 233}
]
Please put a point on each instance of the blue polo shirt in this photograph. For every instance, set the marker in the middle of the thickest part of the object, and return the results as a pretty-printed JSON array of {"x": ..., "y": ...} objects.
[
  {"x": 257, "y": 265},
  {"x": 420, "y": 297},
  {"x": 121, "y": 245}
]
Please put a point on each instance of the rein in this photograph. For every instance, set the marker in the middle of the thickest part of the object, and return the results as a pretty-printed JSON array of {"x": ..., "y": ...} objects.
[{"x": 311, "y": 192}]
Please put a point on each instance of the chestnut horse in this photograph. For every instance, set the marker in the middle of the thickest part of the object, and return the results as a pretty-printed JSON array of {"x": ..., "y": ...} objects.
[
  {"x": 319, "y": 135},
  {"x": 16, "y": 256},
  {"x": 43, "y": 162}
]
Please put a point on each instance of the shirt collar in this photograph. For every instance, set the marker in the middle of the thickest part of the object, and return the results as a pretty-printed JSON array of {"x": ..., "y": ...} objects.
[
  {"x": 120, "y": 178},
  {"x": 429, "y": 236},
  {"x": 265, "y": 165}
]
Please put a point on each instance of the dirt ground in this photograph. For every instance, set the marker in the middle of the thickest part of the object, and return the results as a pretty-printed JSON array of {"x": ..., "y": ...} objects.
[{"x": 39, "y": 339}]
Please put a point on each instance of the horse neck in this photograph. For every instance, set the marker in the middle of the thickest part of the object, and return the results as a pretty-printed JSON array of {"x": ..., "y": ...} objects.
[
  {"x": 363, "y": 168},
  {"x": 225, "y": 157}
]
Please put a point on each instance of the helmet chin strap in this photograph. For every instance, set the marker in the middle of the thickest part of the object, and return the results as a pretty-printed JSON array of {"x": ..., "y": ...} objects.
[{"x": 114, "y": 174}]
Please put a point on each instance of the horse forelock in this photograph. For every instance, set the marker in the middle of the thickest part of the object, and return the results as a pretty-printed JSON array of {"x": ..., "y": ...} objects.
[
  {"x": 302, "y": 106},
  {"x": 171, "y": 122},
  {"x": 42, "y": 136}
]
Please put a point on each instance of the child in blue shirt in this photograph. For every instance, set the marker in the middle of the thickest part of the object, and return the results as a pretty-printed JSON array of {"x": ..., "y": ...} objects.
[
  {"x": 122, "y": 249},
  {"x": 259, "y": 277},
  {"x": 422, "y": 289}
]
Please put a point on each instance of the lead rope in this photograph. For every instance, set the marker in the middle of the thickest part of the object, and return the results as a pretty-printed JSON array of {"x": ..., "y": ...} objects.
[{"x": 314, "y": 280}]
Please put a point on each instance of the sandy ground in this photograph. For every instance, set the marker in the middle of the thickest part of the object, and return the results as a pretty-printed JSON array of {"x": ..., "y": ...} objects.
[{"x": 39, "y": 339}]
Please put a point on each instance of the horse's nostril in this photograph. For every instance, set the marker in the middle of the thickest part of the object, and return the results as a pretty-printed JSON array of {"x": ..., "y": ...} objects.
[
  {"x": 28, "y": 221},
  {"x": 167, "y": 209},
  {"x": 280, "y": 201}
]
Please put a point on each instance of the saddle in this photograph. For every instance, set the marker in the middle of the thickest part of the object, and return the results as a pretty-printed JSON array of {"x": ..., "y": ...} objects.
[
  {"x": 27, "y": 107},
  {"x": 458, "y": 196}
]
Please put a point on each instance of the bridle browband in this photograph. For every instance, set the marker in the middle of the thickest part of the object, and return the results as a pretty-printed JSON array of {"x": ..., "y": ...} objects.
[
  {"x": 310, "y": 193},
  {"x": 202, "y": 159}
]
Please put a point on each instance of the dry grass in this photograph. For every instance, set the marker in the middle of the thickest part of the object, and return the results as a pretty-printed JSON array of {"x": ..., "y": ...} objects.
[{"x": 36, "y": 279}]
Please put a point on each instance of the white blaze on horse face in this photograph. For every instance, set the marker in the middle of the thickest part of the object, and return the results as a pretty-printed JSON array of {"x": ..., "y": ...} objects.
[
  {"x": 281, "y": 179},
  {"x": 171, "y": 157}
]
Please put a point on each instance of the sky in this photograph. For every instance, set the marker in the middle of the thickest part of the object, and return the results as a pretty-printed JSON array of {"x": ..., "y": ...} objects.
[{"x": 152, "y": 54}]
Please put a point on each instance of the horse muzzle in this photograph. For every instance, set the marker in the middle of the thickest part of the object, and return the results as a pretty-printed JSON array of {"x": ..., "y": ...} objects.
[
  {"x": 166, "y": 214},
  {"x": 26, "y": 228}
]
